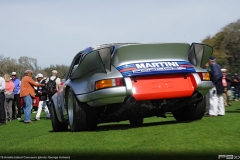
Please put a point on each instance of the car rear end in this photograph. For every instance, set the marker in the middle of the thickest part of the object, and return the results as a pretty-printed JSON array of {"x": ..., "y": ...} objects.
[{"x": 152, "y": 72}]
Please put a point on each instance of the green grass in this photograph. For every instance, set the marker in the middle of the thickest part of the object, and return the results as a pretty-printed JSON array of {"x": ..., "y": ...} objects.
[{"x": 165, "y": 137}]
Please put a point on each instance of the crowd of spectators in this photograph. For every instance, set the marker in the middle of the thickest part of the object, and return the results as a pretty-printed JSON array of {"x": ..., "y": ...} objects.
[{"x": 18, "y": 97}]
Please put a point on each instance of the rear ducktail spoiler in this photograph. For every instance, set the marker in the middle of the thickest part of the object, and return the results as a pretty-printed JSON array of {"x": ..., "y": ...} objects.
[
  {"x": 196, "y": 53},
  {"x": 164, "y": 58}
]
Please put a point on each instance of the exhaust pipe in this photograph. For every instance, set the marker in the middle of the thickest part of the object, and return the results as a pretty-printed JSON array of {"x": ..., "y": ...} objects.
[
  {"x": 128, "y": 102},
  {"x": 197, "y": 97}
]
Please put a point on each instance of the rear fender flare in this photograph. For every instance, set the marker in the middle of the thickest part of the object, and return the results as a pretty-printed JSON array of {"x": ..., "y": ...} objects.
[{"x": 57, "y": 108}]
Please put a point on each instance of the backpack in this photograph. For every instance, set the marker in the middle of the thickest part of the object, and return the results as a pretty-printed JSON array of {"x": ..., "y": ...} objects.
[{"x": 51, "y": 87}]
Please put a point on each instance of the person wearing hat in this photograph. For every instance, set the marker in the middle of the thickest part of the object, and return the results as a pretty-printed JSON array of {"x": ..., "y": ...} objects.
[
  {"x": 2, "y": 99},
  {"x": 226, "y": 80},
  {"x": 216, "y": 106},
  {"x": 27, "y": 93},
  {"x": 16, "y": 100},
  {"x": 42, "y": 94}
]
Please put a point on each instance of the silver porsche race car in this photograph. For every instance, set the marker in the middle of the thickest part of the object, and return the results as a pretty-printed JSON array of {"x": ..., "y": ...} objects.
[{"x": 131, "y": 81}]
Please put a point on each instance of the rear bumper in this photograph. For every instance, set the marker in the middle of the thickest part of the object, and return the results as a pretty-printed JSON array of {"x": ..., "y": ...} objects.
[
  {"x": 104, "y": 96},
  {"x": 148, "y": 88}
]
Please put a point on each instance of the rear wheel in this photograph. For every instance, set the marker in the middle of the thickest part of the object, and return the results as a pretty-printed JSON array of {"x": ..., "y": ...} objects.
[
  {"x": 194, "y": 111},
  {"x": 56, "y": 124},
  {"x": 81, "y": 116}
]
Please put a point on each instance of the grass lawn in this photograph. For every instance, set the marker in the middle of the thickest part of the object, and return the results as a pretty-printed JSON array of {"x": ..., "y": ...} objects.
[{"x": 158, "y": 137}]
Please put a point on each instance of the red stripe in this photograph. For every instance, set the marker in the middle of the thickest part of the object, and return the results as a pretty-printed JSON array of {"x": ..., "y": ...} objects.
[
  {"x": 186, "y": 65},
  {"x": 127, "y": 69}
]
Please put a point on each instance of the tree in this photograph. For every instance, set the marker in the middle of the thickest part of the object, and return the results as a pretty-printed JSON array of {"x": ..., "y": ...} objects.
[
  {"x": 62, "y": 70},
  {"x": 226, "y": 44}
]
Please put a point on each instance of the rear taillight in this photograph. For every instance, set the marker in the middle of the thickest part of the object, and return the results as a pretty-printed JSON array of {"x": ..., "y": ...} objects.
[
  {"x": 204, "y": 76},
  {"x": 107, "y": 83}
]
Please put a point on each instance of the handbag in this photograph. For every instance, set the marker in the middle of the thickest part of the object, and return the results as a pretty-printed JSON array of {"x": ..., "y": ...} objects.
[{"x": 35, "y": 101}]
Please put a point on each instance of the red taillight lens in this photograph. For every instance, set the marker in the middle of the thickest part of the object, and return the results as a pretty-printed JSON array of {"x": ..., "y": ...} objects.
[{"x": 119, "y": 81}]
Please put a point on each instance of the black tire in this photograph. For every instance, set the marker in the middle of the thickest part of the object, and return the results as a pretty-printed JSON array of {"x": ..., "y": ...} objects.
[
  {"x": 81, "y": 116},
  {"x": 56, "y": 124},
  {"x": 191, "y": 112},
  {"x": 136, "y": 121}
]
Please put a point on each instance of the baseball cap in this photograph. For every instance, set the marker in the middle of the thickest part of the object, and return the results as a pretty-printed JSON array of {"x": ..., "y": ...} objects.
[
  {"x": 224, "y": 70},
  {"x": 39, "y": 75},
  {"x": 212, "y": 58},
  {"x": 14, "y": 73}
]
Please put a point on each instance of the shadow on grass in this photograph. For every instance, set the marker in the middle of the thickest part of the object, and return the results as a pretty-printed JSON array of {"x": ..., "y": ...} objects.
[
  {"x": 128, "y": 126},
  {"x": 233, "y": 111},
  {"x": 109, "y": 127}
]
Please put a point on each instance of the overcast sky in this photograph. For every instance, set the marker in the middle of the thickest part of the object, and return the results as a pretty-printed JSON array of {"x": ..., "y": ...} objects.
[{"x": 53, "y": 31}]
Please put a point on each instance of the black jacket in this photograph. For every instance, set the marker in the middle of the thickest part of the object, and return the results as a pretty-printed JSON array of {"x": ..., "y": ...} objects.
[
  {"x": 216, "y": 77},
  {"x": 43, "y": 90},
  {"x": 236, "y": 84}
]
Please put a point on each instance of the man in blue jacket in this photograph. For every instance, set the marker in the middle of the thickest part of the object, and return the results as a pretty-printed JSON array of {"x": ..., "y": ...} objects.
[
  {"x": 216, "y": 107},
  {"x": 16, "y": 93}
]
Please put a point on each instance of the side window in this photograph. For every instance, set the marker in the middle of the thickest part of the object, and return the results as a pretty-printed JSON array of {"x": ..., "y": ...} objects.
[
  {"x": 192, "y": 56},
  {"x": 105, "y": 55},
  {"x": 75, "y": 65}
]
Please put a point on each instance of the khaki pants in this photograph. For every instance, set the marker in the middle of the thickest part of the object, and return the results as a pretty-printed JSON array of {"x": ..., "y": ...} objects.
[{"x": 226, "y": 96}]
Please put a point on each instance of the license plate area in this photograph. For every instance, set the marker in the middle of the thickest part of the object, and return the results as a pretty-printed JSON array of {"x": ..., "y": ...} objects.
[{"x": 162, "y": 87}]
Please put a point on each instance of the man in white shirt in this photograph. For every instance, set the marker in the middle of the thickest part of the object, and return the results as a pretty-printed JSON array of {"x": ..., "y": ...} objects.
[
  {"x": 53, "y": 77},
  {"x": 2, "y": 99},
  {"x": 58, "y": 82}
]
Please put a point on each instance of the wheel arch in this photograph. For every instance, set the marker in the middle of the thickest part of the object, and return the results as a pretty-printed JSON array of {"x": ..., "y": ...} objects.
[{"x": 53, "y": 100}]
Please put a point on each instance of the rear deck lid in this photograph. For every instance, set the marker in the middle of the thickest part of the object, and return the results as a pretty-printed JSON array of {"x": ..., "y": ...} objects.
[
  {"x": 150, "y": 59},
  {"x": 163, "y": 58}
]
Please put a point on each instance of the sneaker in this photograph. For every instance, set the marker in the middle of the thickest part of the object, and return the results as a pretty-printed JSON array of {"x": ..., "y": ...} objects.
[
  {"x": 19, "y": 119},
  {"x": 34, "y": 112},
  {"x": 9, "y": 119},
  {"x": 38, "y": 119},
  {"x": 236, "y": 99}
]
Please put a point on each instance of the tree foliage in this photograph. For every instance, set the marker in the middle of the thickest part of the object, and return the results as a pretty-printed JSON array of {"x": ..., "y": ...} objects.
[
  {"x": 226, "y": 45},
  {"x": 9, "y": 65},
  {"x": 62, "y": 70}
]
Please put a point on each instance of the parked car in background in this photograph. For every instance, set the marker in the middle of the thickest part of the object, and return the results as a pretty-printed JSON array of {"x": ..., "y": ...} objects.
[{"x": 131, "y": 81}]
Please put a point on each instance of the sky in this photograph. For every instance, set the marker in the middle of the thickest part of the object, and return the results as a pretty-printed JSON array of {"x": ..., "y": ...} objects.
[{"x": 54, "y": 31}]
